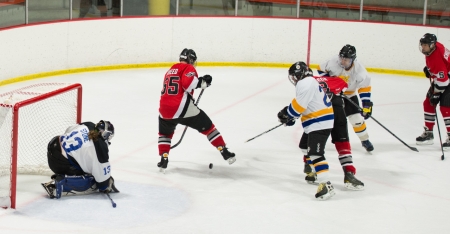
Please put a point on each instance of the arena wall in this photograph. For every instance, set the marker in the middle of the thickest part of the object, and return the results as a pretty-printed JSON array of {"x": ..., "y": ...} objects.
[{"x": 75, "y": 46}]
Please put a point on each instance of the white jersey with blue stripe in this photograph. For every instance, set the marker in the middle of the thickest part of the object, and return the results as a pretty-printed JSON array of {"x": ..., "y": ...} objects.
[
  {"x": 312, "y": 105},
  {"x": 357, "y": 77}
]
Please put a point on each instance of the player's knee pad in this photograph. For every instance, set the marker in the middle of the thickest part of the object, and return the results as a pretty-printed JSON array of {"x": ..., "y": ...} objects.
[
  {"x": 356, "y": 120},
  {"x": 74, "y": 184}
]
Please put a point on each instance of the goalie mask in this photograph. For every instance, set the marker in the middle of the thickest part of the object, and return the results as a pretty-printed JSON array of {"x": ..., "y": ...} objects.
[
  {"x": 106, "y": 130},
  {"x": 189, "y": 56},
  {"x": 346, "y": 56},
  {"x": 299, "y": 71},
  {"x": 427, "y": 43}
]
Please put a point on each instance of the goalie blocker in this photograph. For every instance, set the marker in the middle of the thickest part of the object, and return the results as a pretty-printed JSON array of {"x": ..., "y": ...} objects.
[{"x": 73, "y": 185}]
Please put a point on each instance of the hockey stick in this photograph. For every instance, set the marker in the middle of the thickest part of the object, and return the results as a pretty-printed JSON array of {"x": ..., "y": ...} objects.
[
  {"x": 264, "y": 132},
  {"x": 112, "y": 202},
  {"x": 439, "y": 132},
  {"x": 182, "y": 135},
  {"x": 359, "y": 109}
]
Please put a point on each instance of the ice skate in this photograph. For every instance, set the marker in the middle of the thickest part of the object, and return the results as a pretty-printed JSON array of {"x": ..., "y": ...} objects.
[
  {"x": 227, "y": 155},
  {"x": 350, "y": 182},
  {"x": 50, "y": 188},
  {"x": 426, "y": 138},
  {"x": 311, "y": 178},
  {"x": 367, "y": 145},
  {"x": 325, "y": 191},
  {"x": 163, "y": 163}
]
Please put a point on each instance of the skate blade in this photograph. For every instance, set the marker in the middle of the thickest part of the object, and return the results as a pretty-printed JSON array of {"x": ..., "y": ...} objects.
[
  {"x": 446, "y": 148},
  {"x": 312, "y": 182},
  {"x": 430, "y": 142},
  {"x": 162, "y": 170},
  {"x": 352, "y": 187},
  {"x": 231, "y": 160}
]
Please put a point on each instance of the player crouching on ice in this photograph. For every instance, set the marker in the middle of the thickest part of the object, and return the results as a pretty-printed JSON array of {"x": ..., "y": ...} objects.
[
  {"x": 317, "y": 120},
  {"x": 80, "y": 160}
]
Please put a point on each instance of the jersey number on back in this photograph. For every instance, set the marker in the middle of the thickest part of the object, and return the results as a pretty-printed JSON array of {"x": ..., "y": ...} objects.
[
  {"x": 171, "y": 85},
  {"x": 71, "y": 147},
  {"x": 325, "y": 97}
]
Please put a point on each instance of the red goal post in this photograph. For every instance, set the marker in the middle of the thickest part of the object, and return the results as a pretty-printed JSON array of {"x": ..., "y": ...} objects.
[{"x": 29, "y": 118}]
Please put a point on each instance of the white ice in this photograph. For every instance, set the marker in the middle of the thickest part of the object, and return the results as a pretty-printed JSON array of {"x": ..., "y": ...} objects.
[{"x": 264, "y": 190}]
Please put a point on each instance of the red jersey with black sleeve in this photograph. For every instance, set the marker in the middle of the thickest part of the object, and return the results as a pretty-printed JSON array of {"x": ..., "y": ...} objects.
[
  {"x": 178, "y": 87},
  {"x": 332, "y": 84},
  {"x": 439, "y": 66}
]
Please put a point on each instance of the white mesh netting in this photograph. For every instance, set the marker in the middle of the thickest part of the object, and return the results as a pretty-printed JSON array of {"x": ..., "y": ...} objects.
[{"x": 38, "y": 122}]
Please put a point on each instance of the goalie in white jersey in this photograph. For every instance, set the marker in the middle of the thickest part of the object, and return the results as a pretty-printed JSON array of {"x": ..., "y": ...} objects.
[
  {"x": 313, "y": 106},
  {"x": 345, "y": 66},
  {"x": 80, "y": 160}
]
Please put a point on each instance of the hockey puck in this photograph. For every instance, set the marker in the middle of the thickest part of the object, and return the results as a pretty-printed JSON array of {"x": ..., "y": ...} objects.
[{"x": 210, "y": 166}]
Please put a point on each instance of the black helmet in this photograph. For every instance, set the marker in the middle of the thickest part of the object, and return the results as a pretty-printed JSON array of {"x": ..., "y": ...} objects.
[
  {"x": 189, "y": 56},
  {"x": 106, "y": 129},
  {"x": 348, "y": 51},
  {"x": 430, "y": 40},
  {"x": 298, "y": 71}
]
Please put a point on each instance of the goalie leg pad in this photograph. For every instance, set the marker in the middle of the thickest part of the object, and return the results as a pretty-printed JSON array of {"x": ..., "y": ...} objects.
[{"x": 73, "y": 184}]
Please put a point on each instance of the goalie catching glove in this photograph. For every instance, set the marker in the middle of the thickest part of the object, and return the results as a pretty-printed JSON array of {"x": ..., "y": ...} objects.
[
  {"x": 284, "y": 118},
  {"x": 367, "y": 109}
]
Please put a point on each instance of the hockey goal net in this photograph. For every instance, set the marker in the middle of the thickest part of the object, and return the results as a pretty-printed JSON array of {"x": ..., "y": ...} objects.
[{"x": 29, "y": 118}]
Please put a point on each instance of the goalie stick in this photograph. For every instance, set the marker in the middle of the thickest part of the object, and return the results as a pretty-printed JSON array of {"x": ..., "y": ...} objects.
[
  {"x": 359, "y": 109},
  {"x": 182, "y": 135},
  {"x": 112, "y": 202}
]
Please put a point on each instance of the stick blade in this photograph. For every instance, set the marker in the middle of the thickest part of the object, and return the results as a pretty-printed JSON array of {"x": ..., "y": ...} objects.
[{"x": 414, "y": 149}]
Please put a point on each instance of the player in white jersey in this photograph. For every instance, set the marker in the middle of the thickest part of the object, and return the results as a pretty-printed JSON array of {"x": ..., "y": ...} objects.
[
  {"x": 345, "y": 66},
  {"x": 80, "y": 160},
  {"x": 313, "y": 106}
]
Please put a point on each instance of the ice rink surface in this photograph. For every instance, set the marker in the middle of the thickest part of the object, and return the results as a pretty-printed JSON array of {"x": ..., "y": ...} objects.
[{"x": 264, "y": 191}]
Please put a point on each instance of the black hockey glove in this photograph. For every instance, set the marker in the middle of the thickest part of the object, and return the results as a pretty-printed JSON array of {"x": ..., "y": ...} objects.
[
  {"x": 427, "y": 72},
  {"x": 204, "y": 81},
  {"x": 434, "y": 99},
  {"x": 283, "y": 117},
  {"x": 367, "y": 109},
  {"x": 111, "y": 187}
]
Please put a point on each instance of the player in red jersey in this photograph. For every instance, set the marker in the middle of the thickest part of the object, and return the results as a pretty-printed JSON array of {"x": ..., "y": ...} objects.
[
  {"x": 437, "y": 70},
  {"x": 177, "y": 106},
  {"x": 334, "y": 86}
]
